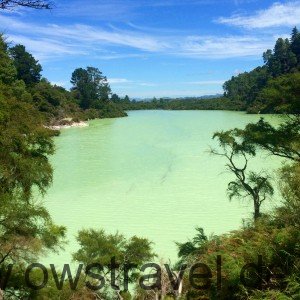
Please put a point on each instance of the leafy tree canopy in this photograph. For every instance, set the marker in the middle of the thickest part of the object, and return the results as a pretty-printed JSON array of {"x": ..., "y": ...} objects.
[{"x": 28, "y": 69}]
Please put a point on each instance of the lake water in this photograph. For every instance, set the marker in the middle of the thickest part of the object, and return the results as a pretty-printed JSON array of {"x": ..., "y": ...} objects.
[{"x": 149, "y": 175}]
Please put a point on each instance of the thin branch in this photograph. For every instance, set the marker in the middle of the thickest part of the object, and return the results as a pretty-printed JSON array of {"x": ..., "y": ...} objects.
[{"x": 36, "y": 4}]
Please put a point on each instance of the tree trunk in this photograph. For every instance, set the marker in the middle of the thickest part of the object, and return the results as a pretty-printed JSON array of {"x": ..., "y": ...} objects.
[{"x": 256, "y": 210}]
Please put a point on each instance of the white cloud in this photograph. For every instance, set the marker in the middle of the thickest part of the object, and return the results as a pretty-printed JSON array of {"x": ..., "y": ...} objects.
[
  {"x": 206, "y": 82},
  {"x": 118, "y": 80},
  {"x": 277, "y": 15}
]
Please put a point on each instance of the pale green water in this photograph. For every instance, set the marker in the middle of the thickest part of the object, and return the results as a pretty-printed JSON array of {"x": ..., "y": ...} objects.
[{"x": 148, "y": 175}]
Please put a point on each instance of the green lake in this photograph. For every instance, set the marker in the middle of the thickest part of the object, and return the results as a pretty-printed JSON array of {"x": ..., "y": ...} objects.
[{"x": 149, "y": 175}]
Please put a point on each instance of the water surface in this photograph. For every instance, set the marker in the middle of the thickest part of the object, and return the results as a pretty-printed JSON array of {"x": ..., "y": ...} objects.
[{"x": 149, "y": 175}]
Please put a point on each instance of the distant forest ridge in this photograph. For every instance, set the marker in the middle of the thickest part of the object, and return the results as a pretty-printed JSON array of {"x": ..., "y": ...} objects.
[{"x": 271, "y": 88}]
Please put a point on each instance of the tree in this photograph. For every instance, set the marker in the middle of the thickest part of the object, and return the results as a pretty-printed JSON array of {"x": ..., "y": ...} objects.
[
  {"x": 92, "y": 87},
  {"x": 275, "y": 79},
  {"x": 25, "y": 146},
  {"x": 282, "y": 60},
  {"x": 37, "y": 4},
  {"x": 282, "y": 141},
  {"x": 280, "y": 95},
  {"x": 26, "y": 228},
  {"x": 115, "y": 98},
  {"x": 28, "y": 69},
  {"x": 194, "y": 246},
  {"x": 295, "y": 43},
  {"x": 252, "y": 185},
  {"x": 96, "y": 246},
  {"x": 126, "y": 99},
  {"x": 8, "y": 71}
]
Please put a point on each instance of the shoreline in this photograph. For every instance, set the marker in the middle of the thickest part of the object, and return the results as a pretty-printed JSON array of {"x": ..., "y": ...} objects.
[{"x": 66, "y": 126}]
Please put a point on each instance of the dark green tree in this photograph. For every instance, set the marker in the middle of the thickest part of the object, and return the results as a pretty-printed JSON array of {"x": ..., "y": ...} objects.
[
  {"x": 127, "y": 99},
  {"x": 282, "y": 60},
  {"x": 115, "y": 98},
  {"x": 192, "y": 247},
  {"x": 26, "y": 228},
  {"x": 248, "y": 184},
  {"x": 295, "y": 44},
  {"x": 8, "y": 71},
  {"x": 282, "y": 141},
  {"x": 28, "y": 68},
  {"x": 92, "y": 87}
]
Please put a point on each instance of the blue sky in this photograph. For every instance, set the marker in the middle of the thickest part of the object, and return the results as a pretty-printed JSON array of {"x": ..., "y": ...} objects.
[{"x": 149, "y": 48}]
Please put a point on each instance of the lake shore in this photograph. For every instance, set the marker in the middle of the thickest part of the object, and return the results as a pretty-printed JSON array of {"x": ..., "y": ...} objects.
[{"x": 70, "y": 125}]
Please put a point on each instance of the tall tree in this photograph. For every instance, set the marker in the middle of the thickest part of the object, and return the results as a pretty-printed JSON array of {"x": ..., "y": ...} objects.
[
  {"x": 248, "y": 184},
  {"x": 282, "y": 60},
  {"x": 92, "y": 87},
  {"x": 28, "y": 68},
  {"x": 295, "y": 44}
]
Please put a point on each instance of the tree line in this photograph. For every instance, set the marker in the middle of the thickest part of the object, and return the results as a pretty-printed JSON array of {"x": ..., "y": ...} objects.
[
  {"x": 273, "y": 87},
  {"x": 89, "y": 97}
]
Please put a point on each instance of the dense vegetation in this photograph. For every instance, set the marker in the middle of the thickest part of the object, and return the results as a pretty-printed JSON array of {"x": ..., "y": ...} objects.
[
  {"x": 274, "y": 87},
  {"x": 182, "y": 104},
  {"x": 90, "y": 96},
  {"x": 26, "y": 228}
]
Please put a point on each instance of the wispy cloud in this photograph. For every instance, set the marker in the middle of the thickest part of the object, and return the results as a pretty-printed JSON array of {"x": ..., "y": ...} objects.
[
  {"x": 277, "y": 15},
  {"x": 50, "y": 41},
  {"x": 118, "y": 80},
  {"x": 224, "y": 47},
  {"x": 206, "y": 82}
]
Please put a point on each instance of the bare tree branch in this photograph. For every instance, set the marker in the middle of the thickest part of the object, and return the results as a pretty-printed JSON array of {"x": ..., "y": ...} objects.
[{"x": 36, "y": 4}]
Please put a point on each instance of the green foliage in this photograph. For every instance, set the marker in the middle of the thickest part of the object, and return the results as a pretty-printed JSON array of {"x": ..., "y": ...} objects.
[
  {"x": 237, "y": 150},
  {"x": 28, "y": 69},
  {"x": 183, "y": 104},
  {"x": 196, "y": 245},
  {"x": 26, "y": 228},
  {"x": 8, "y": 72},
  {"x": 273, "y": 87},
  {"x": 92, "y": 87},
  {"x": 97, "y": 246},
  {"x": 246, "y": 86},
  {"x": 283, "y": 141},
  {"x": 280, "y": 95},
  {"x": 25, "y": 146}
]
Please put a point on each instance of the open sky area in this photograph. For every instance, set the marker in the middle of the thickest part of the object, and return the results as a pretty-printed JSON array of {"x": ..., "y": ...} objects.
[{"x": 148, "y": 48}]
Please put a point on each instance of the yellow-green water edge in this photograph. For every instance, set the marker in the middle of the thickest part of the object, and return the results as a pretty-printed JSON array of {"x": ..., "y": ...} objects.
[{"x": 150, "y": 175}]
